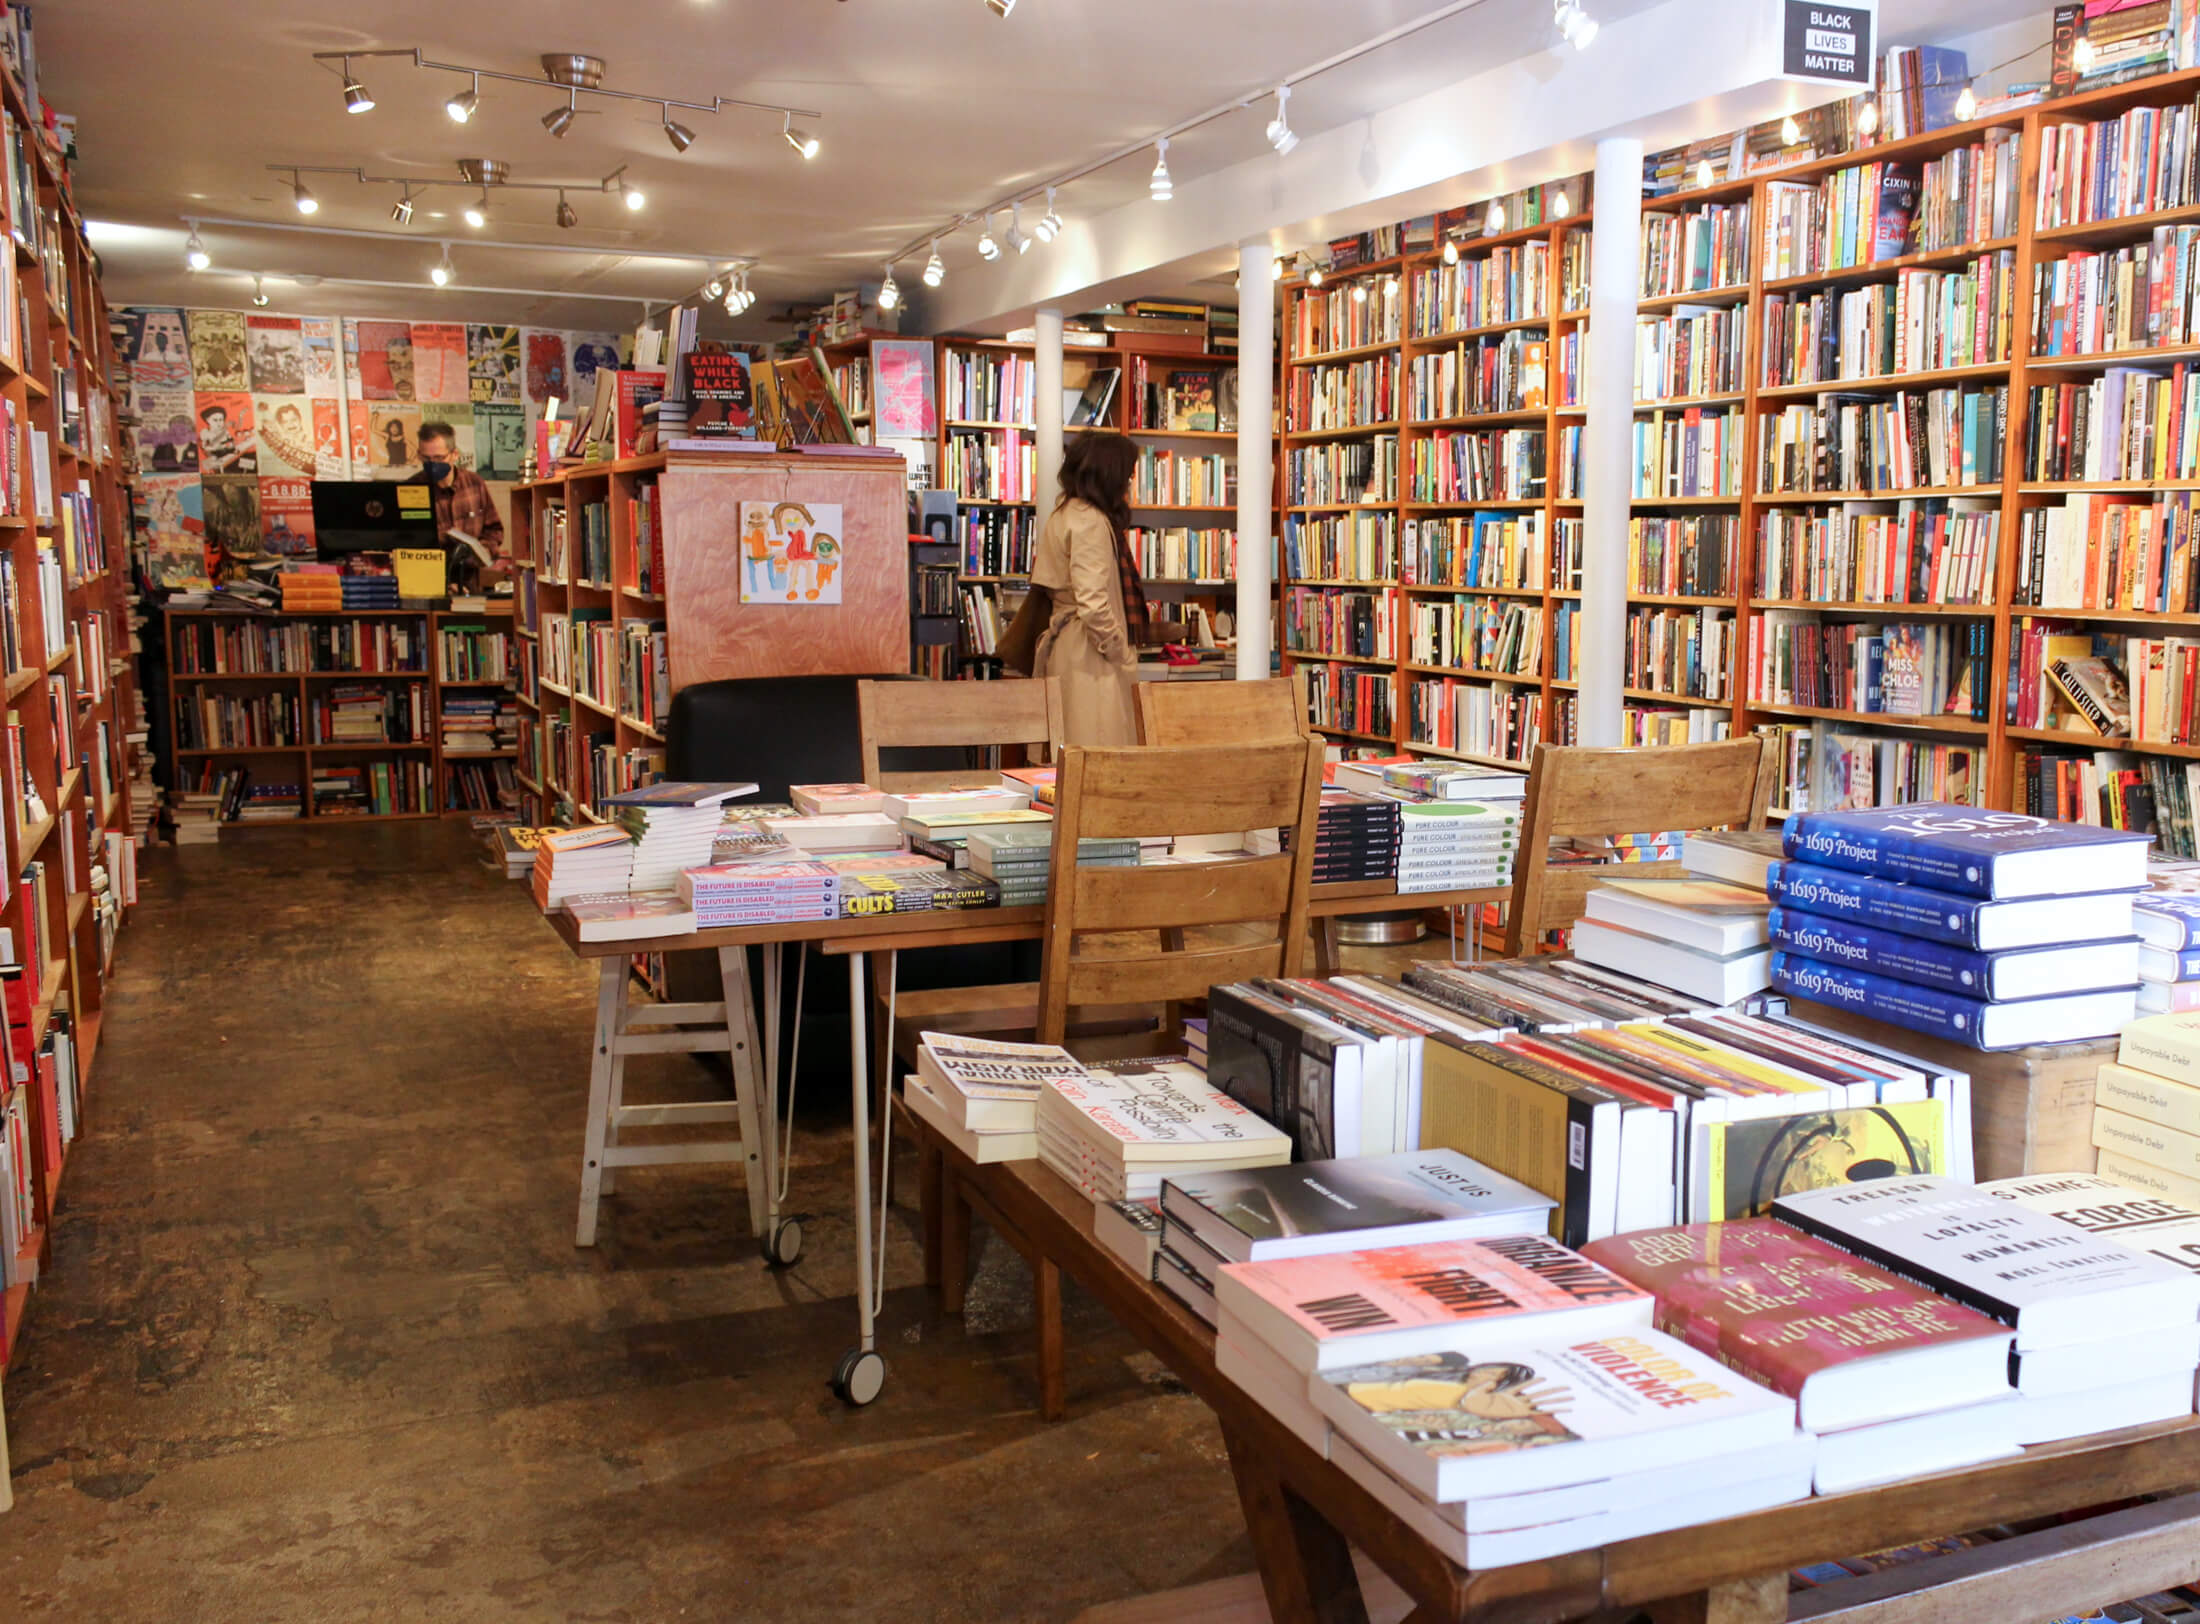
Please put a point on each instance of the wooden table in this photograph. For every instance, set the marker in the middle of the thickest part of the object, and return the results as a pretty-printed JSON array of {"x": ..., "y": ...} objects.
[
  {"x": 1304, "y": 1515},
  {"x": 730, "y": 1025}
]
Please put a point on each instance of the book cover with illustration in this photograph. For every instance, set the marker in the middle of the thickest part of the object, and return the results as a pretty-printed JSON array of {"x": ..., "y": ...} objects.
[{"x": 1751, "y": 1163}]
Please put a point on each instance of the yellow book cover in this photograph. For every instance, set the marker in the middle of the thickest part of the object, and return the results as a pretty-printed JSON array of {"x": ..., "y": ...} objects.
[
  {"x": 1710, "y": 1052},
  {"x": 2165, "y": 1045},
  {"x": 2148, "y": 1097},
  {"x": 1750, "y": 1163},
  {"x": 1501, "y": 1119}
]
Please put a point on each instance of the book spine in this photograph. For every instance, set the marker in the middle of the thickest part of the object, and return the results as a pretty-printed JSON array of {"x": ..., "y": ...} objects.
[
  {"x": 1921, "y": 1009},
  {"x": 1909, "y": 910},
  {"x": 1859, "y": 947}
]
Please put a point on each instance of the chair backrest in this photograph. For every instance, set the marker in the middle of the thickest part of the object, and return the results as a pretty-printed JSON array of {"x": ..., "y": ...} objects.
[
  {"x": 930, "y": 715},
  {"x": 1585, "y": 790},
  {"x": 1198, "y": 715},
  {"x": 1149, "y": 791}
]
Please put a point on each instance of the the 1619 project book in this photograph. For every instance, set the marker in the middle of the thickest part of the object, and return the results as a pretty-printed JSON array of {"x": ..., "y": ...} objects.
[
  {"x": 2070, "y": 1018},
  {"x": 1970, "y": 851}
]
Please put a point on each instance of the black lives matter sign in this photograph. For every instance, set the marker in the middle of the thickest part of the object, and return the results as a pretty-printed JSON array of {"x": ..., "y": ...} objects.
[{"x": 1831, "y": 44}]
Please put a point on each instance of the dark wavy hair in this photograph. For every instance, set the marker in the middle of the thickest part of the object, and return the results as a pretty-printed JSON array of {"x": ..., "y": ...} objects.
[{"x": 1097, "y": 468}]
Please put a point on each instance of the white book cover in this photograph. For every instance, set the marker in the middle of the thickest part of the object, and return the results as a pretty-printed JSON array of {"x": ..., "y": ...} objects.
[
  {"x": 2051, "y": 1281},
  {"x": 1513, "y": 1419},
  {"x": 985, "y": 1069},
  {"x": 1162, "y": 1113},
  {"x": 980, "y": 1146},
  {"x": 2133, "y": 1219},
  {"x": 996, "y": 798}
]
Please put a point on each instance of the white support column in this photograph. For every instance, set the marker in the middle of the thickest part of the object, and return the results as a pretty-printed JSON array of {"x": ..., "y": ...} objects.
[
  {"x": 1047, "y": 382},
  {"x": 1255, "y": 455},
  {"x": 1607, "y": 462}
]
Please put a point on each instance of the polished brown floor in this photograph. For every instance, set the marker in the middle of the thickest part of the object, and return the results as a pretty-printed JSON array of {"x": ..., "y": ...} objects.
[{"x": 317, "y": 1344}]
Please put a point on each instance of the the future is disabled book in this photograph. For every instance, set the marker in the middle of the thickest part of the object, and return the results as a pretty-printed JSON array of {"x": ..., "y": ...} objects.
[{"x": 1970, "y": 851}]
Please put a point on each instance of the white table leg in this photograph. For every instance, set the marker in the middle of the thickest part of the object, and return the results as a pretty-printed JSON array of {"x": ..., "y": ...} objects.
[
  {"x": 748, "y": 1083},
  {"x": 861, "y": 1372},
  {"x": 608, "y": 1182},
  {"x": 610, "y": 995}
]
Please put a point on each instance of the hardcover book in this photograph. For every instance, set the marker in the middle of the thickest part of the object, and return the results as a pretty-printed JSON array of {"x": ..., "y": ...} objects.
[
  {"x": 819, "y": 798},
  {"x": 2167, "y": 920},
  {"x": 1711, "y": 916},
  {"x": 2050, "y": 1281},
  {"x": 1944, "y": 916},
  {"x": 1517, "y": 1418},
  {"x": 1970, "y": 851},
  {"x": 679, "y": 793},
  {"x": 1346, "y": 1308},
  {"x": 1304, "y": 1208},
  {"x": 2014, "y": 973},
  {"x": 2148, "y": 1224},
  {"x": 988, "y": 1070},
  {"x": 1849, "y": 1342},
  {"x": 2070, "y": 1018}
]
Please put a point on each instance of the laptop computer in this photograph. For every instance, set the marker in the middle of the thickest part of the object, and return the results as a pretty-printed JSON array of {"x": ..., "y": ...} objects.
[{"x": 371, "y": 516}]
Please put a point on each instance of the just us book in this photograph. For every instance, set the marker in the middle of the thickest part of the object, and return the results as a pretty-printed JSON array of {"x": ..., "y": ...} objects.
[{"x": 1970, "y": 851}]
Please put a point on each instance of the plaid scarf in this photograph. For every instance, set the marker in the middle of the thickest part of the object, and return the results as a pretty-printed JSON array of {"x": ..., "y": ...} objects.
[{"x": 1137, "y": 623}]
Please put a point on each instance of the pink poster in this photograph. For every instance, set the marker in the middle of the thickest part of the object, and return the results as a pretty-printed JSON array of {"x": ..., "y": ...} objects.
[
  {"x": 902, "y": 389},
  {"x": 439, "y": 361}
]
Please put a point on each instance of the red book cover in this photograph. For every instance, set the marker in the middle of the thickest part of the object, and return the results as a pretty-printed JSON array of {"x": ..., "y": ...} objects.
[
  {"x": 49, "y": 1111},
  {"x": 636, "y": 390},
  {"x": 18, "y": 1000},
  {"x": 1779, "y": 1306}
]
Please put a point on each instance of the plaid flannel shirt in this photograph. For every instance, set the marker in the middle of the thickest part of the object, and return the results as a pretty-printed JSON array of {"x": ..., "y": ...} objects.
[{"x": 467, "y": 505}]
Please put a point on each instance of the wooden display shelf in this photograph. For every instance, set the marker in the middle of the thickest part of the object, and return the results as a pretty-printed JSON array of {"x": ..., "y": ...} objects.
[
  {"x": 1970, "y": 611},
  {"x": 1471, "y": 756},
  {"x": 1345, "y": 433},
  {"x": 1983, "y": 372},
  {"x": 1312, "y": 657},
  {"x": 1467, "y": 334},
  {"x": 1939, "y": 259},
  {"x": 2102, "y": 741},
  {"x": 1936, "y": 724},
  {"x": 1425, "y": 587},
  {"x": 1358, "y": 352}
]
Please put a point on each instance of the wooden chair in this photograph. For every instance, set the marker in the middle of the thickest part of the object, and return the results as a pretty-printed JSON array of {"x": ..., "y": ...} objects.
[
  {"x": 943, "y": 715},
  {"x": 1581, "y": 790},
  {"x": 1198, "y": 715}
]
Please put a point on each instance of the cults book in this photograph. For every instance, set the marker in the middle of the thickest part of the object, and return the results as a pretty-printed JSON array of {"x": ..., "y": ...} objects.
[{"x": 1304, "y": 1208}]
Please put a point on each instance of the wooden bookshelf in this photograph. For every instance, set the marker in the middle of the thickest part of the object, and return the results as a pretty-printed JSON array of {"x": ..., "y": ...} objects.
[{"x": 1994, "y": 745}]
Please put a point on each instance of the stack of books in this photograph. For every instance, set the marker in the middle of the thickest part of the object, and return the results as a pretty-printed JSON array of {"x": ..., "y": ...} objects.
[
  {"x": 816, "y": 800},
  {"x": 1016, "y": 858},
  {"x": 946, "y": 835},
  {"x": 2084, "y": 1312},
  {"x": 1993, "y": 929},
  {"x": 514, "y": 848},
  {"x": 1456, "y": 845},
  {"x": 1535, "y": 995},
  {"x": 743, "y": 838},
  {"x": 1115, "y": 1133},
  {"x": 311, "y": 591},
  {"x": 1704, "y": 939},
  {"x": 1892, "y": 1379},
  {"x": 874, "y": 883},
  {"x": 369, "y": 591},
  {"x": 823, "y": 833},
  {"x": 1434, "y": 781},
  {"x": 674, "y": 825},
  {"x": 1357, "y": 837},
  {"x": 632, "y": 917},
  {"x": 469, "y": 724},
  {"x": 726, "y": 894},
  {"x": 2146, "y": 1108},
  {"x": 982, "y": 1096},
  {"x": 591, "y": 860},
  {"x": 2168, "y": 924},
  {"x": 362, "y": 713},
  {"x": 1741, "y": 856}
]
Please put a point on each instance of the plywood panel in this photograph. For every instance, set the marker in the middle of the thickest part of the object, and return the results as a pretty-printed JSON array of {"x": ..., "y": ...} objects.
[{"x": 715, "y": 635}]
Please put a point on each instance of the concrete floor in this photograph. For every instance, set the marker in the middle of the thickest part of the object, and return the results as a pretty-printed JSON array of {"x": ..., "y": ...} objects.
[{"x": 317, "y": 1344}]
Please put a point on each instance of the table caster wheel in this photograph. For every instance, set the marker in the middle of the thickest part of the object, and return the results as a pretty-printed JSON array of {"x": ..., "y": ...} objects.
[
  {"x": 782, "y": 1248},
  {"x": 859, "y": 1377}
]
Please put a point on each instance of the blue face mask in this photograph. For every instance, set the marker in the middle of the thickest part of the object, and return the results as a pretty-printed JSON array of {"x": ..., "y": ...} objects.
[{"x": 437, "y": 471}]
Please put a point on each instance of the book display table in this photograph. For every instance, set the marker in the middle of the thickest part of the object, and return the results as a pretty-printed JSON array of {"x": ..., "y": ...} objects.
[
  {"x": 1305, "y": 1516},
  {"x": 731, "y": 1025}
]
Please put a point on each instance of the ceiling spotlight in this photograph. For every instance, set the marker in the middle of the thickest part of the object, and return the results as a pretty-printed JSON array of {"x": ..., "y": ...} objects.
[
  {"x": 1705, "y": 174},
  {"x": 306, "y": 201},
  {"x": 566, "y": 218},
  {"x": 1159, "y": 185},
  {"x": 1000, "y": 8},
  {"x": 987, "y": 247},
  {"x": 1280, "y": 134},
  {"x": 1562, "y": 204},
  {"x": 634, "y": 196},
  {"x": 441, "y": 272},
  {"x": 259, "y": 295},
  {"x": 1275, "y": 270},
  {"x": 1790, "y": 131},
  {"x": 1017, "y": 238},
  {"x": 1313, "y": 276},
  {"x": 801, "y": 140},
  {"x": 714, "y": 288},
  {"x": 2082, "y": 55},
  {"x": 195, "y": 256},
  {"x": 462, "y": 106},
  {"x": 560, "y": 119},
  {"x": 402, "y": 210},
  {"x": 888, "y": 294},
  {"x": 477, "y": 214},
  {"x": 677, "y": 133},
  {"x": 1867, "y": 116},
  {"x": 1578, "y": 27},
  {"x": 1966, "y": 105},
  {"x": 1495, "y": 219},
  {"x": 1451, "y": 250},
  {"x": 356, "y": 97},
  {"x": 935, "y": 269},
  {"x": 1050, "y": 223}
]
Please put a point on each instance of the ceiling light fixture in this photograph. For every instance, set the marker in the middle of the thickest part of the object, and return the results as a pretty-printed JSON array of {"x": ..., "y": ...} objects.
[
  {"x": 1017, "y": 237},
  {"x": 1160, "y": 185},
  {"x": 1050, "y": 223},
  {"x": 1495, "y": 219},
  {"x": 402, "y": 210},
  {"x": 477, "y": 213},
  {"x": 441, "y": 272},
  {"x": 306, "y": 201},
  {"x": 935, "y": 268},
  {"x": 988, "y": 249},
  {"x": 888, "y": 294},
  {"x": 714, "y": 288},
  {"x": 560, "y": 119},
  {"x": 677, "y": 133},
  {"x": 1000, "y": 8},
  {"x": 565, "y": 216},
  {"x": 1275, "y": 270},
  {"x": 1575, "y": 24},
  {"x": 633, "y": 196},
  {"x": 195, "y": 256},
  {"x": 1280, "y": 134},
  {"x": 1313, "y": 275},
  {"x": 259, "y": 295},
  {"x": 462, "y": 106},
  {"x": 356, "y": 97},
  {"x": 801, "y": 140}
]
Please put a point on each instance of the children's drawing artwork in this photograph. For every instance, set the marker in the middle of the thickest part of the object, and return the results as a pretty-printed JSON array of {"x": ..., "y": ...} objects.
[{"x": 790, "y": 552}]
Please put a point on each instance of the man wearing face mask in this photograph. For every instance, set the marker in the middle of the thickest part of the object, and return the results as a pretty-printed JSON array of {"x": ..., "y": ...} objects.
[{"x": 461, "y": 496}]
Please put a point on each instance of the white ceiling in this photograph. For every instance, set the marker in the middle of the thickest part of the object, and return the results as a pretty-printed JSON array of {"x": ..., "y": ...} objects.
[{"x": 930, "y": 108}]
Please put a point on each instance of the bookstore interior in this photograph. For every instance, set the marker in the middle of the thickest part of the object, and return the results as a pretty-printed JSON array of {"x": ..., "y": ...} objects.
[{"x": 1608, "y": 591}]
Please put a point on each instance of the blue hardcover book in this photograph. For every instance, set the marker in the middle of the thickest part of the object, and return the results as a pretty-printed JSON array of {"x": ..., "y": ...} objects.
[
  {"x": 2025, "y": 972},
  {"x": 2169, "y": 920},
  {"x": 1939, "y": 916},
  {"x": 1972, "y": 852},
  {"x": 679, "y": 793},
  {"x": 1973, "y": 1022},
  {"x": 2165, "y": 964}
]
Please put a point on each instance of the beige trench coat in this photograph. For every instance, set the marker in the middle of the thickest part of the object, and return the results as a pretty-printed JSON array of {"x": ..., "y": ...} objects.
[{"x": 1086, "y": 645}]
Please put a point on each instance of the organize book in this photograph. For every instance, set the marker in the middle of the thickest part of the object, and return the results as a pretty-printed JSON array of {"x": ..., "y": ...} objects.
[{"x": 1970, "y": 851}]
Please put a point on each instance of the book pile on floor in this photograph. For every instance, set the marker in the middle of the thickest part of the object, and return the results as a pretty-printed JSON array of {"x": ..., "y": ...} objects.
[
  {"x": 1993, "y": 929},
  {"x": 2168, "y": 924},
  {"x": 1016, "y": 858},
  {"x": 983, "y": 1096},
  {"x": 674, "y": 825},
  {"x": 590, "y": 860},
  {"x": 2146, "y": 1108},
  {"x": 760, "y": 893},
  {"x": 1702, "y": 938}
]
